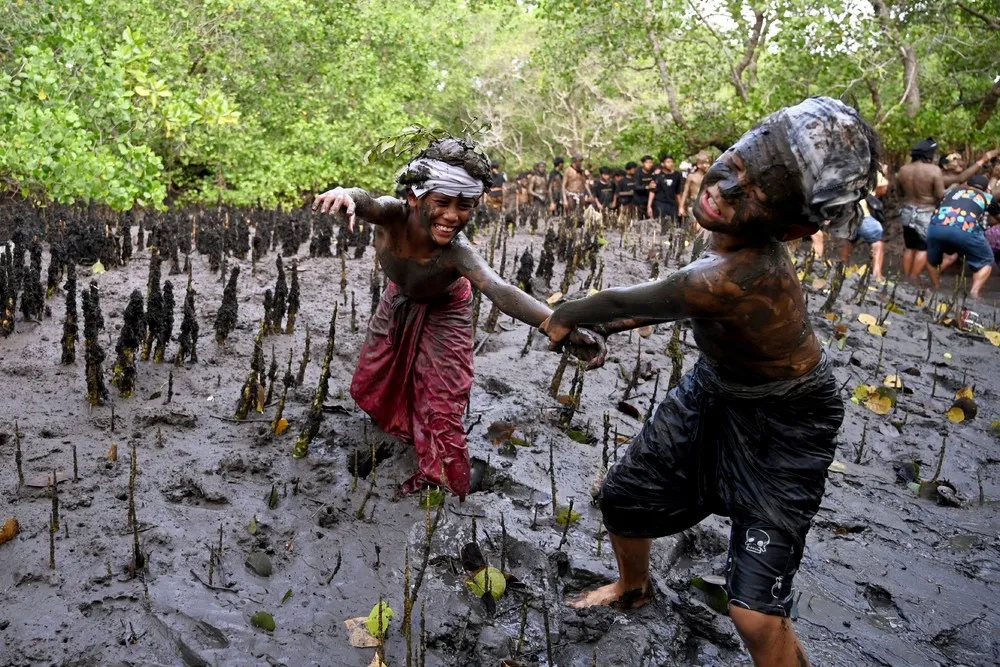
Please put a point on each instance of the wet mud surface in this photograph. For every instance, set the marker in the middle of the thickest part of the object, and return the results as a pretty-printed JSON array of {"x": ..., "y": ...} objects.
[{"x": 888, "y": 577}]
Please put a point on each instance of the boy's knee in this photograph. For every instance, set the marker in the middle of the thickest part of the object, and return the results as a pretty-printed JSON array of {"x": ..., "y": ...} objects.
[{"x": 757, "y": 628}]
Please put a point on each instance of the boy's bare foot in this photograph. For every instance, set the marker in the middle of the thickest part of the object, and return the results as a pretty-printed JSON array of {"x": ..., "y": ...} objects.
[{"x": 614, "y": 596}]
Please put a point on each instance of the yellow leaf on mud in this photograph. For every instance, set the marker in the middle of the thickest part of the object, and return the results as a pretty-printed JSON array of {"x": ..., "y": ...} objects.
[
  {"x": 554, "y": 298},
  {"x": 592, "y": 292},
  {"x": 880, "y": 405},
  {"x": 9, "y": 531},
  {"x": 281, "y": 426},
  {"x": 833, "y": 317},
  {"x": 113, "y": 452},
  {"x": 837, "y": 466},
  {"x": 98, "y": 267},
  {"x": 865, "y": 318},
  {"x": 377, "y": 662},
  {"x": 942, "y": 308},
  {"x": 893, "y": 381},
  {"x": 947, "y": 355},
  {"x": 645, "y": 332},
  {"x": 993, "y": 337},
  {"x": 819, "y": 283},
  {"x": 261, "y": 395},
  {"x": 920, "y": 302},
  {"x": 955, "y": 415},
  {"x": 801, "y": 275},
  {"x": 876, "y": 330},
  {"x": 863, "y": 391},
  {"x": 357, "y": 633},
  {"x": 964, "y": 392},
  {"x": 893, "y": 308}
]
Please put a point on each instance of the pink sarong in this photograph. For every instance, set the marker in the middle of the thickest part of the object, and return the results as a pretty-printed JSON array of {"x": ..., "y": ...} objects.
[{"x": 414, "y": 376}]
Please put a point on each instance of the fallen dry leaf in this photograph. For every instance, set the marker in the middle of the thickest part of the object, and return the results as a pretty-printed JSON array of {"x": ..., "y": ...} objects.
[
  {"x": 893, "y": 381},
  {"x": 876, "y": 330},
  {"x": 964, "y": 392},
  {"x": 45, "y": 480},
  {"x": 377, "y": 662},
  {"x": 819, "y": 283},
  {"x": 993, "y": 337},
  {"x": 554, "y": 298},
  {"x": 955, "y": 415},
  {"x": 281, "y": 426},
  {"x": 865, "y": 318},
  {"x": 10, "y": 530},
  {"x": 261, "y": 395},
  {"x": 880, "y": 405},
  {"x": 645, "y": 332},
  {"x": 113, "y": 452},
  {"x": 357, "y": 633}
]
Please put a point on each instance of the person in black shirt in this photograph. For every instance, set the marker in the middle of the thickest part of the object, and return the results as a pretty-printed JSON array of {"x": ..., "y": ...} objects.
[
  {"x": 555, "y": 185},
  {"x": 644, "y": 183},
  {"x": 618, "y": 175},
  {"x": 664, "y": 198},
  {"x": 498, "y": 180},
  {"x": 603, "y": 189},
  {"x": 625, "y": 195}
]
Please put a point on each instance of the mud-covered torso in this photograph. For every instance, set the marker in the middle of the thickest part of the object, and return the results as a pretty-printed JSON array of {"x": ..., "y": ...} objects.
[
  {"x": 420, "y": 278},
  {"x": 694, "y": 179},
  {"x": 759, "y": 331},
  {"x": 917, "y": 180}
]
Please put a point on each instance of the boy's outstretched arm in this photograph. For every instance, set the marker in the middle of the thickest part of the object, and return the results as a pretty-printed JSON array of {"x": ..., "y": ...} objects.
[
  {"x": 355, "y": 201},
  {"x": 512, "y": 301},
  {"x": 686, "y": 293}
]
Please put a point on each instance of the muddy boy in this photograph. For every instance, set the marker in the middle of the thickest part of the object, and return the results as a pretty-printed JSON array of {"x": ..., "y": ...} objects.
[
  {"x": 750, "y": 431},
  {"x": 415, "y": 368}
]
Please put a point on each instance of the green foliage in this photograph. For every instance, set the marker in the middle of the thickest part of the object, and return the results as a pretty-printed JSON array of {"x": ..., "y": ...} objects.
[{"x": 245, "y": 101}]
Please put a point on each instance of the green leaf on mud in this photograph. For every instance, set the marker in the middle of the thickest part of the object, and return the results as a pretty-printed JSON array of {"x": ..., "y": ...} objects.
[
  {"x": 287, "y": 596},
  {"x": 519, "y": 442},
  {"x": 379, "y": 627},
  {"x": 253, "y": 525},
  {"x": 577, "y": 435},
  {"x": 715, "y": 595},
  {"x": 263, "y": 620},
  {"x": 488, "y": 579},
  {"x": 433, "y": 498},
  {"x": 563, "y": 516}
]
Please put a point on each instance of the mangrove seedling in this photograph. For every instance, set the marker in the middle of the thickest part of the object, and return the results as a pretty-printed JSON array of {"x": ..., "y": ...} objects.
[
  {"x": 128, "y": 342},
  {"x": 293, "y": 299},
  {"x": 252, "y": 396},
  {"x": 93, "y": 322},
  {"x": 154, "y": 305},
  {"x": 187, "y": 341},
  {"x": 18, "y": 456},
  {"x": 280, "y": 297},
  {"x": 225, "y": 320},
  {"x": 300, "y": 377},
  {"x": 557, "y": 377},
  {"x": 272, "y": 375},
  {"x": 524, "y": 271},
  {"x": 315, "y": 416},
  {"x": 71, "y": 328},
  {"x": 166, "y": 327}
]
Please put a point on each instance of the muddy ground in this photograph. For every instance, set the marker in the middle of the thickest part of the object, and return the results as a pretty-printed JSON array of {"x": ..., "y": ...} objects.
[{"x": 888, "y": 577}]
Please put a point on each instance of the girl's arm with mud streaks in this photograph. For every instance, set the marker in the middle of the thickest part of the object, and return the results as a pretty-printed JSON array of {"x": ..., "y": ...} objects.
[{"x": 357, "y": 202}]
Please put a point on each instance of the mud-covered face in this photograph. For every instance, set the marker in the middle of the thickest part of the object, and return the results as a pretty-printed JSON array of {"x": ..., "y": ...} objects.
[
  {"x": 750, "y": 190},
  {"x": 442, "y": 216}
]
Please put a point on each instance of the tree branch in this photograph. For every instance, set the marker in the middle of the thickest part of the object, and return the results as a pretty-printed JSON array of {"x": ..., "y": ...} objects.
[
  {"x": 665, "y": 80},
  {"x": 992, "y": 23},
  {"x": 734, "y": 77},
  {"x": 989, "y": 105},
  {"x": 751, "y": 44}
]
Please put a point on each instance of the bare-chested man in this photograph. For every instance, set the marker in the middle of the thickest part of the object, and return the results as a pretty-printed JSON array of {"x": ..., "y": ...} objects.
[
  {"x": 539, "y": 192},
  {"x": 750, "y": 432},
  {"x": 555, "y": 184},
  {"x": 415, "y": 368},
  {"x": 575, "y": 188},
  {"x": 692, "y": 186},
  {"x": 922, "y": 184}
]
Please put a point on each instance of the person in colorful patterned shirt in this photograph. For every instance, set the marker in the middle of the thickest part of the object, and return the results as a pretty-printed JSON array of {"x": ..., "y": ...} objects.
[{"x": 959, "y": 226}]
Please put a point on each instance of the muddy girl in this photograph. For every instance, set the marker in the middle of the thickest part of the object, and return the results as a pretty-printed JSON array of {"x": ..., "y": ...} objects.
[
  {"x": 415, "y": 369},
  {"x": 750, "y": 432}
]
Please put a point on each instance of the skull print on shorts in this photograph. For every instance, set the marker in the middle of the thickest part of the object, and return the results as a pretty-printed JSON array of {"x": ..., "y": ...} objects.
[{"x": 757, "y": 541}]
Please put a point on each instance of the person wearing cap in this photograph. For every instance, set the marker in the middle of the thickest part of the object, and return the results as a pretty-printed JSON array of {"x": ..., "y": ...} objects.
[
  {"x": 750, "y": 431},
  {"x": 959, "y": 227},
  {"x": 415, "y": 368}
]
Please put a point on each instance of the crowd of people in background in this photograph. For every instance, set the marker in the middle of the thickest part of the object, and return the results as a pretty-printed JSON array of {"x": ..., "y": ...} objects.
[{"x": 949, "y": 211}]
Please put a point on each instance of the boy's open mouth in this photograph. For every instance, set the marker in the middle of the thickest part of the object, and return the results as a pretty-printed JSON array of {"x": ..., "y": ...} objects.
[{"x": 709, "y": 206}]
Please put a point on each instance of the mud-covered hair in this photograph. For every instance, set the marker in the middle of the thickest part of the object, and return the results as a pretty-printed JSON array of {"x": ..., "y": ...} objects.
[{"x": 462, "y": 153}]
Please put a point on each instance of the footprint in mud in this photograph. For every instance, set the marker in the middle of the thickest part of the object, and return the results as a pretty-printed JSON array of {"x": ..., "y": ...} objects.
[
  {"x": 887, "y": 614},
  {"x": 187, "y": 491}
]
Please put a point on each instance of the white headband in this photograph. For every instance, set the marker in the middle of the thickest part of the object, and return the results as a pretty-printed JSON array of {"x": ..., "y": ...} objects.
[{"x": 444, "y": 178}]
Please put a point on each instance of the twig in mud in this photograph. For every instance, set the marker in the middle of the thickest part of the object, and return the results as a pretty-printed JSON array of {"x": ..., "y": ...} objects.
[
  {"x": 419, "y": 579},
  {"x": 548, "y": 636},
  {"x": 503, "y": 543},
  {"x": 652, "y": 399},
  {"x": 520, "y": 632},
  {"x": 423, "y": 634},
  {"x": 676, "y": 357},
  {"x": 482, "y": 343},
  {"x": 18, "y": 455},
  {"x": 212, "y": 587},
  {"x": 940, "y": 461},
  {"x": 54, "y": 490},
  {"x": 861, "y": 446},
  {"x": 930, "y": 339},
  {"x": 232, "y": 420},
  {"x": 552, "y": 475},
  {"x": 52, "y": 546},
  {"x": 301, "y": 375},
  {"x": 569, "y": 520},
  {"x": 933, "y": 382},
  {"x": 76, "y": 469},
  {"x": 473, "y": 425},
  {"x": 170, "y": 387},
  {"x": 633, "y": 381},
  {"x": 558, "y": 376},
  {"x": 607, "y": 434}
]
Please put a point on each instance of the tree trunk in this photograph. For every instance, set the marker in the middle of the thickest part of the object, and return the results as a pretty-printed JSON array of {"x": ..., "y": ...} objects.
[
  {"x": 661, "y": 65},
  {"x": 911, "y": 77},
  {"x": 988, "y": 105}
]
